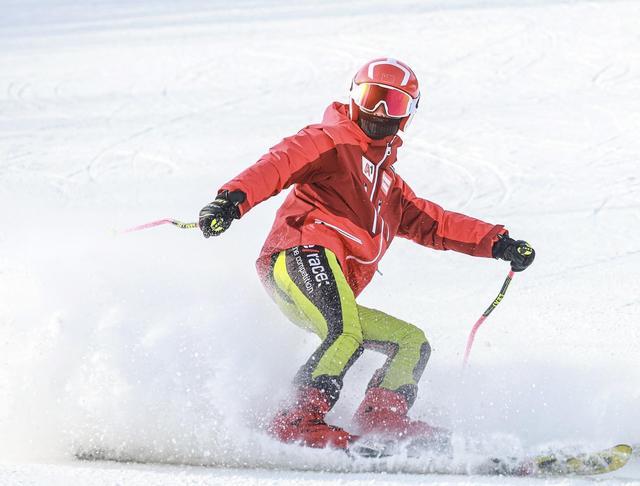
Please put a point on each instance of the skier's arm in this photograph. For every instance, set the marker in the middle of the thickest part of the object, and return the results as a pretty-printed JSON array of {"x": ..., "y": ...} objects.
[
  {"x": 430, "y": 225},
  {"x": 300, "y": 158}
]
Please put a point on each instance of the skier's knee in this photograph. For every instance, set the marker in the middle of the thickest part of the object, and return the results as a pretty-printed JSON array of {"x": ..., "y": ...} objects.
[
  {"x": 415, "y": 338},
  {"x": 355, "y": 336},
  {"x": 348, "y": 333}
]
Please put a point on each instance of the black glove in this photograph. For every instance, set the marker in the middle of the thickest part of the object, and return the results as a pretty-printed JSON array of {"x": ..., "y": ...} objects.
[
  {"x": 216, "y": 217},
  {"x": 518, "y": 252}
]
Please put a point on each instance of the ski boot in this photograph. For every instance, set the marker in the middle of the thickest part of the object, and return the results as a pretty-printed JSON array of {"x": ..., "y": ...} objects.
[
  {"x": 304, "y": 423},
  {"x": 383, "y": 414}
]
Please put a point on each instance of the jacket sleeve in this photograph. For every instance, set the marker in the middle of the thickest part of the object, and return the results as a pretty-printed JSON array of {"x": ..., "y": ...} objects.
[
  {"x": 428, "y": 224},
  {"x": 302, "y": 158}
]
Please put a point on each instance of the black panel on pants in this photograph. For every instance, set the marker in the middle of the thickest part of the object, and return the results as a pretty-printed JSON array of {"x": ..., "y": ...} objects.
[{"x": 308, "y": 267}]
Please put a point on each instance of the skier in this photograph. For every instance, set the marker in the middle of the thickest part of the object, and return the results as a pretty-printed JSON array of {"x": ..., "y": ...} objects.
[{"x": 346, "y": 206}]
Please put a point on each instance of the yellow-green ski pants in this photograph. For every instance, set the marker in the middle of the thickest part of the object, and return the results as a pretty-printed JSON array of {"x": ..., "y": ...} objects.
[{"x": 308, "y": 285}]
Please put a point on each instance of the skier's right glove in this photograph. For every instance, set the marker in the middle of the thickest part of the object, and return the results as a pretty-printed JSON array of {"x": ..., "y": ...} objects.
[
  {"x": 518, "y": 252},
  {"x": 216, "y": 217}
]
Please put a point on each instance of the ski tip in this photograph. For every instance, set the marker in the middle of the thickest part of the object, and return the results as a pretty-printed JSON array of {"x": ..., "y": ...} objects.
[
  {"x": 613, "y": 459},
  {"x": 585, "y": 464},
  {"x": 619, "y": 456},
  {"x": 624, "y": 450}
]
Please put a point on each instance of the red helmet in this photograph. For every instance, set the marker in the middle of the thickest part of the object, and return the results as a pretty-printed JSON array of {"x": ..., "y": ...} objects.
[{"x": 385, "y": 82}]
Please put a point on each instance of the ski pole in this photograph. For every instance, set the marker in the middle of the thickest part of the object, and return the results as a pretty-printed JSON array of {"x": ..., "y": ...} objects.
[
  {"x": 159, "y": 222},
  {"x": 484, "y": 316}
]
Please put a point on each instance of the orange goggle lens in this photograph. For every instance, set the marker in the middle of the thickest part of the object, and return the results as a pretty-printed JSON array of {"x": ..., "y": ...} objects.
[{"x": 369, "y": 97}]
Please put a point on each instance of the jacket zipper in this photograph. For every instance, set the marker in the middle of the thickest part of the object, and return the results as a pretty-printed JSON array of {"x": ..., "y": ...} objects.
[
  {"x": 375, "y": 216},
  {"x": 369, "y": 262},
  {"x": 387, "y": 152},
  {"x": 358, "y": 240},
  {"x": 376, "y": 210},
  {"x": 340, "y": 230}
]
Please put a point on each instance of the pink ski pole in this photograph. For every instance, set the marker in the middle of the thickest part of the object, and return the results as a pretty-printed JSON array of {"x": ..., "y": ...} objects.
[
  {"x": 484, "y": 316},
  {"x": 159, "y": 222}
]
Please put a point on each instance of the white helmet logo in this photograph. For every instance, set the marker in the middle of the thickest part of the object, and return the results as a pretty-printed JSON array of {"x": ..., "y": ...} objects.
[{"x": 392, "y": 62}]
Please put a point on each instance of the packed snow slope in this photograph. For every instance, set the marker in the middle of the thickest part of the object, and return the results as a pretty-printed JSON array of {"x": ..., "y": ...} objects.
[{"x": 162, "y": 346}]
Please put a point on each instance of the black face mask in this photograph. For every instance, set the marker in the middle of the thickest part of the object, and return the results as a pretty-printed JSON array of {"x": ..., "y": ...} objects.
[{"x": 378, "y": 127}]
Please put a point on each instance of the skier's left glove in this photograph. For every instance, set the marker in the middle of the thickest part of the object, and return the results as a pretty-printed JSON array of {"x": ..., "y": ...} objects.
[
  {"x": 518, "y": 252},
  {"x": 216, "y": 217}
]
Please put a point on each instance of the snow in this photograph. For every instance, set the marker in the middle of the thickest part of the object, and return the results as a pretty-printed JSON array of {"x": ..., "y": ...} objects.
[
  {"x": 135, "y": 475},
  {"x": 162, "y": 346}
]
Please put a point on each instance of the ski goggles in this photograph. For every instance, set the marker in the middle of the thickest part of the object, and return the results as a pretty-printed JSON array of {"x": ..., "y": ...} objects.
[{"x": 397, "y": 103}]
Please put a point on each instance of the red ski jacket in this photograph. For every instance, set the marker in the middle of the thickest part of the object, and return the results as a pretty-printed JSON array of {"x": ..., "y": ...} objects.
[{"x": 348, "y": 198}]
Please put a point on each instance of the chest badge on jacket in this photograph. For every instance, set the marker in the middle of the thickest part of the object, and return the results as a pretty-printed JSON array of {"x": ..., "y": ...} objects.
[
  {"x": 386, "y": 183},
  {"x": 368, "y": 169}
]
